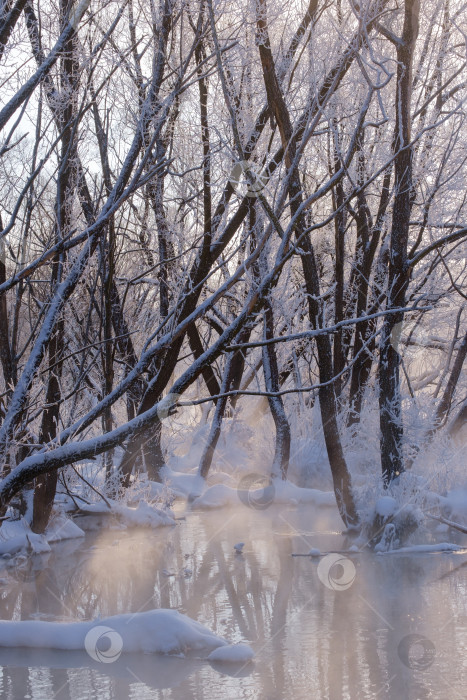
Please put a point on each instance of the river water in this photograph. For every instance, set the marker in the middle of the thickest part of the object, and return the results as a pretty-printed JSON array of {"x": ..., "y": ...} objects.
[{"x": 365, "y": 626}]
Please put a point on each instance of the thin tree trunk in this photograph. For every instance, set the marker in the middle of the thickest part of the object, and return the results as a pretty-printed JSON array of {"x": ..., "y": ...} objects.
[
  {"x": 280, "y": 463},
  {"x": 339, "y": 245},
  {"x": 6, "y": 358},
  {"x": 230, "y": 380},
  {"x": 46, "y": 485},
  {"x": 327, "y": 397},
  {"x": 392, "y": 462},
  {"x": 197, "y": 349},
  {"x": 362, "y": 361},
  {"x": 444, "y": 405},
  {"x": 8, "y": 22}
]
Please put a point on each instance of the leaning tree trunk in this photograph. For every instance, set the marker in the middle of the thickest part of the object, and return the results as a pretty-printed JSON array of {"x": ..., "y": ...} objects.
[
  {"x": 281, "y": 458},
  {"x": 327, "y": 397},
  {"x": 45, "y": 486},
  {"x": 444, "y": 406},
  {"x": 362, "y": 357},
  {"x": 392, "y": 462},
  {"x": 276, "y": 405},
  {"x": 232, "y": 377}
]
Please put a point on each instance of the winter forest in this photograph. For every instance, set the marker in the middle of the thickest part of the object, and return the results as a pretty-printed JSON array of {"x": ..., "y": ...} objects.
[{"x": 233, "y": 341}]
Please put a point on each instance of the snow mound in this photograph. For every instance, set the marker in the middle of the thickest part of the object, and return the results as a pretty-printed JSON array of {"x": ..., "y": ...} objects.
[
  {"x": 232, "y": 653},
  {"x": 386, "y": 506},
  {"x": 455, "y": 504},
  {"x": 279, "y": 491},
  {"x": 158, "y": 631},
  {"x": 16, "y": 535},
  {"x": 217, "y": 496},
  {"x": 183, "y": 484},
  {"x": 26, "y": 541},
  {"x": 287, "y": 492},
  {"x": 144, "y": 515}
]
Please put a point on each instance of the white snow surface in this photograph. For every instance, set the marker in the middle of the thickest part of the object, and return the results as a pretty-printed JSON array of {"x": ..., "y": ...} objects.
[
  {"x": 156, "y": 631},
  {"x": 280, "y": 492},
  {"x": 232, "y": 653},
  {"x": 17, "y": 536},
  {"x": 456, "y": 502},
  {"x": 183, "y": 484},
  {"x": 386, "y": 506},
  {"x": 144, "y": 515},
  {"x": 36, "y": 544}
]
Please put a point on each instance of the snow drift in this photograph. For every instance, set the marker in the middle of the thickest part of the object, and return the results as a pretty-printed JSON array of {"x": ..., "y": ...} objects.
[{"x": 156, "y": 631}]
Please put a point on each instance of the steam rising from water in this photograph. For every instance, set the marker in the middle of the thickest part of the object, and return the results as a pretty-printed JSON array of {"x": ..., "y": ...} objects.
[{"x": 310, "y": 640}]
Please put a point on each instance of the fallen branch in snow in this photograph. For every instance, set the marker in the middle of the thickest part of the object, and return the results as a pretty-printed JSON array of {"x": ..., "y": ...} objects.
[
  {"x": 331, "y": 551},
  {"x": 438, "y": 548}
]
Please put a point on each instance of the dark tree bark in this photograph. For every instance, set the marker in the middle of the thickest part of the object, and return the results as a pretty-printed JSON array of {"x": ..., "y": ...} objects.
[
  {"x": 197, "y": 349},
  {"x": 230, "y": 380},
  {"x": 445, "y": 403},
  {"x": 392, "y": 462},
  {"x": 8, "y": 22},
  {"x": 45, "y": 486},
  {"x": 362, "y": 361},
  {"x": 280, "y": 463},
  {"x": 327, "y": 397},
  {"x": 6, "y": 357},
  {"x": 339, "y": 242}
]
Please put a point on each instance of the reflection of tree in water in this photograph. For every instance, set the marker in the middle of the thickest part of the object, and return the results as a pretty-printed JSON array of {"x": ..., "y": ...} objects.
[{"x": 310, "y": 641}]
